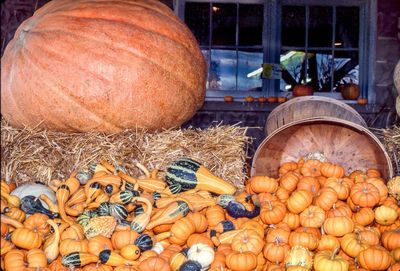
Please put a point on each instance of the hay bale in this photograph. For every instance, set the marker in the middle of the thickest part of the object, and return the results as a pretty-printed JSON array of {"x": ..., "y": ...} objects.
[
  {"x": 391, "y": 140},
  {"x": 30, "y": 155}
]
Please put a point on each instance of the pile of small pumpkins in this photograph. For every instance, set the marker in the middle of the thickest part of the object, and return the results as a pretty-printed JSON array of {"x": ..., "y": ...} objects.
[{"x": 313, "y": 217}]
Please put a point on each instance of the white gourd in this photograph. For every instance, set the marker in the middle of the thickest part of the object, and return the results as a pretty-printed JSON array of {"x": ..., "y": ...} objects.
[
  {"x": 35, "y": 190},
  {"x": 201, "y": 253}
]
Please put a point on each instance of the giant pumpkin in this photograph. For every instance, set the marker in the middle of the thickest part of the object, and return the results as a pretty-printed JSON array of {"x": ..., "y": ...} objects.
[{"x": 102, "y": 65}]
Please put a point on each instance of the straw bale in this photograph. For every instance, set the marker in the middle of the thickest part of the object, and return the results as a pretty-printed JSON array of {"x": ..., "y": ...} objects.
[{"x": 35, "y": 155}]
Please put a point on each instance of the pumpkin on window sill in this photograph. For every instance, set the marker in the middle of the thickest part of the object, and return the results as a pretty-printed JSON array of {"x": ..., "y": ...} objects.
[
  {"x": 249, "y": 99},
  {"x": 349, "y": 91},
  {"x": 262, "y": 99},
  {"x": 302, "y": 90},
  {"x": 362, "y": 101},
  {"x": 228, "y": 99},
  {"x": 282, "y": 99},
  {"x": 272, "y": 99}
]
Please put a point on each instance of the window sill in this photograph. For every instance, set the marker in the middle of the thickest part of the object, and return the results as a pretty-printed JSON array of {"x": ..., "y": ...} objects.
[{"x": 240, "y": 106}]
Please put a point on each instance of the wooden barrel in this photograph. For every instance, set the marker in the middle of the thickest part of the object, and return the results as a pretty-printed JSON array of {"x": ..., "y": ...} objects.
[
  {"x": 341, "y": 141},
  {"x": 309, "y": 107}
]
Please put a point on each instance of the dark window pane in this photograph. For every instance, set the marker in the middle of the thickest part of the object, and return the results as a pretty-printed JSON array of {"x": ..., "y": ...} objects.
[
  {"x": 319, "y": 72},
  {"x": 347, "y": 27},
  {"x": 320, "y": 27},
  {"x": 197, "y": 17},
  {"x": 293, "y": 26},
  {"x": 224, "y": 24},
  {"x": 250, "y": 24},
  {"x": 222, "y": 72},
  {"x": 346, "y": 68},
  {"x": 293, "y": 64},
  {"x": 249, "y": 69}
]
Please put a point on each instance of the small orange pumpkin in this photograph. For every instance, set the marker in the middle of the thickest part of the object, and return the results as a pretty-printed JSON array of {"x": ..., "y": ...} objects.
[
  {"x": 272, "y": 212},
  {"x": 241, "y": 261},
  {"x": 299, "y": 200},
  {"x": 375, "y": 258},
  {"x": 365, "y": 194},
  {"x": 154, "y": 264},
  {"x": 338, "y": 226},
  {"x": 248, "y": 240}
]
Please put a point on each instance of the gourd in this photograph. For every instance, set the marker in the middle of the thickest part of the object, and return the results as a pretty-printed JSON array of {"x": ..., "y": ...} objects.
[
  {"x": 14, "y": 260},
  {"x": 134, "y": 40},
  {"x": 62, "y": 194},
  {"x": 276, "y": 251},
  {"x": 130, "y": 252},
  {"x": 327, "y": 260},
  {"x": 190, "y": 265},
  {"x": 236, "y": 209},
  {"x": 154, "y": 263},
  {"x": 352, "y": 244},
  {"x": 375, "y": 258},
  {"x": 5, "y": 246},
  {"x": 391, "y": 239},
  {"x": 119, "y": 239},
  {"x": 248, "y": 240},
  {"x": 241, "y": 261},
  {"x": 191, "y": 175},
  {"x": 78, "y": 259},
  {"x": 99, "y": 243},
  {"x": 385, "y": 215},
  {"x": 272, "y": 212},
  {"x": 112, "y": 258},
  {"x": 144, "y": 242},
  {"x": 78, "y": 197},
  {"x": 299, "y": 256},
  {"x": 177, "y": 260},
  {"x": 202, "y": 253},
  {"x": 170, "y": 214},
  {"x": 68, "y": 246},
  {"x": 51, "y": 245},
  {"x": 140, "y": 222},
  {"x": 100, "y": 225},
  {"x": 365, "y": 194},
  {"x": 36, "y": 258},
  {"x": 35, "y": 190},
  {"x": 26, "y": 238}
]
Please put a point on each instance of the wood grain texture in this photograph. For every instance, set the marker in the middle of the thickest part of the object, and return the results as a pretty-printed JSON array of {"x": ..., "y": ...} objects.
[
  {"x": 343, "y": 142},
  {"x": 308, "y": 107}
]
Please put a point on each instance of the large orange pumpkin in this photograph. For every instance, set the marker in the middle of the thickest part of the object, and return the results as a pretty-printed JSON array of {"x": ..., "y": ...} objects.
[{"x": 102, "y": 66}]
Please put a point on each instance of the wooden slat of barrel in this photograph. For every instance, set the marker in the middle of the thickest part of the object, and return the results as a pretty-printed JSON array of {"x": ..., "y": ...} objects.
[
  {"x": 309, "y": 107},
  {"x": 343, "y": 142}
]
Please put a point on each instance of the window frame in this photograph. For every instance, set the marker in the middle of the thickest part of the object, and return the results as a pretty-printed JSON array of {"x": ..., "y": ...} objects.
[{"x": 271, "y": 44}]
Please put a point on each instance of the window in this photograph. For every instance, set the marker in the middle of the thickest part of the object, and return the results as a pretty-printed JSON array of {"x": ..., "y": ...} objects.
[
  {"x": 230, "y": 37},
  {"x": 319, "y": 46},
  {"x": 321, "y": 43}
]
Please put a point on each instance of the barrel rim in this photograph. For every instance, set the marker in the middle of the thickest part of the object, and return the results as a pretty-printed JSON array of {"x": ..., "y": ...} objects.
[
  {"x": 348, "y": 124},
  {"x": 313, "y": 98}
]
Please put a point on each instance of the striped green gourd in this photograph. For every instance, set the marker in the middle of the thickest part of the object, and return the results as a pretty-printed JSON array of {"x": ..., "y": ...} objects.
[
  {"x": 122, "y": 197},
  {"x": 118, "y": 211},
  {"x": 190, "y": 174}
]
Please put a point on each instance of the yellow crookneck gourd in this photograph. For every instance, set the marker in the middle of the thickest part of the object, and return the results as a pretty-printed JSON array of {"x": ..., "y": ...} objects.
[
  {"x": 51, "y": 246},
  {"x": 170, "y": 214}
]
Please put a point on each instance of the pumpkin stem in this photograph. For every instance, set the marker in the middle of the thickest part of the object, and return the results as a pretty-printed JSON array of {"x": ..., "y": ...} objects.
[
  {"x": 269, "y": 205},
  {"x": 278, "y": 240},
  {"x": 335, "y": 252}
]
